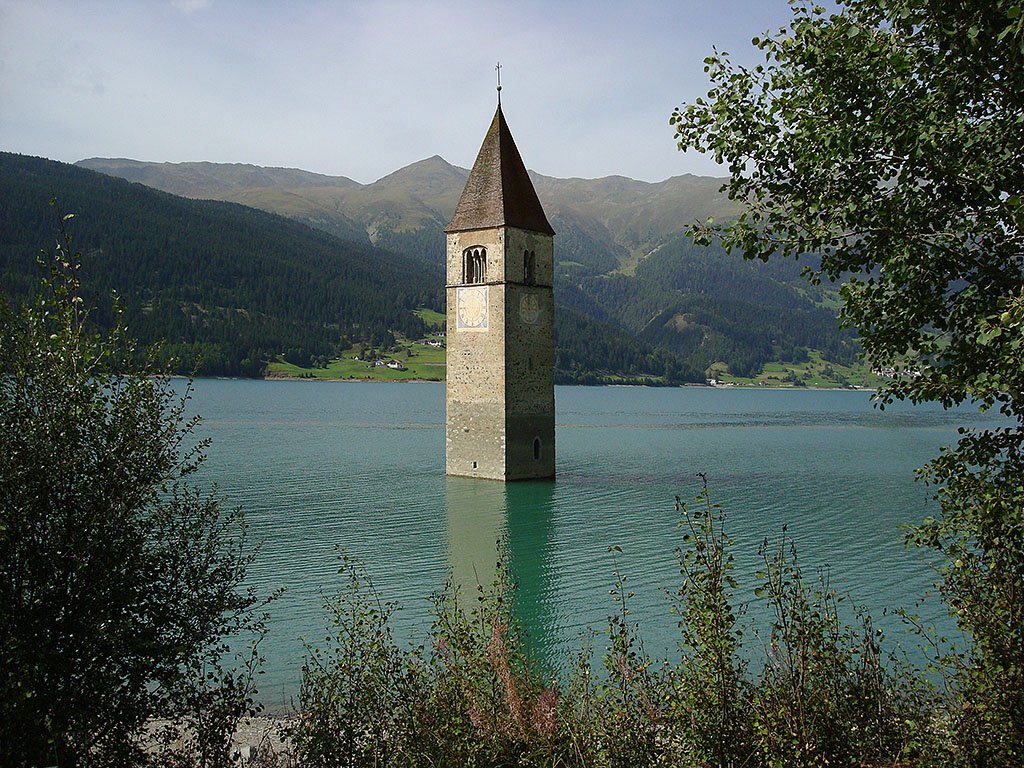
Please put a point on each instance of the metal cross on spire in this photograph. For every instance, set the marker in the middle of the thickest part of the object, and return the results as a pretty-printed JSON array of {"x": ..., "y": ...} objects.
[{"x": 498, "y": 70}]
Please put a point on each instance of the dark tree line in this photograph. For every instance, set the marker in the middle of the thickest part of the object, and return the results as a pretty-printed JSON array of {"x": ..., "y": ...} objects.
[{"x": 588, "y": 351}]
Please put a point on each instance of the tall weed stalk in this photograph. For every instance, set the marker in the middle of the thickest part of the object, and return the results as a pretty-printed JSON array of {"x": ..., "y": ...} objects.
[{"x": 709, "y": 693}]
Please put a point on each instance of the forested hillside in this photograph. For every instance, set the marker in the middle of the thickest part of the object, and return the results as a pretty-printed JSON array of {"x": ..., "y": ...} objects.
[
  {"x": 225, "y": 284},
  {"x": 706, "y": 306},
  {"x": 622, "y": 260},
  {"x": 230, "y": 288}
]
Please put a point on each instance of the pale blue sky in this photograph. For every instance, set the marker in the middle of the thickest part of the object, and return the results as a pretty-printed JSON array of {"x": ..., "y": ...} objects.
[{"x": 361, "y": 89}]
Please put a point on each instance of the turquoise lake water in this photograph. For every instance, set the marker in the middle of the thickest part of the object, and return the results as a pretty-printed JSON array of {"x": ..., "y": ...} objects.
[{"x": 317, "y": 465}]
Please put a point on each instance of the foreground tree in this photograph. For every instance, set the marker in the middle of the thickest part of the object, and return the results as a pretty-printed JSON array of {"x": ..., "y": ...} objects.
[
  {"x": 887, "y": 137},
  {"x": 119, "y": 581}
]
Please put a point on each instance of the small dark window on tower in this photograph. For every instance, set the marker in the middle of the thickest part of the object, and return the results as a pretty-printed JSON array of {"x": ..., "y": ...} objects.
[
  {"x": 536, "y": 448},
  {"x": 474, "y": 265},
  {"x": 529, "y": 267}
]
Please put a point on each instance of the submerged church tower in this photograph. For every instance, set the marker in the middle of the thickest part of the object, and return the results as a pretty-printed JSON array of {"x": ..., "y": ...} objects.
[{"x": 500, "y": 392}]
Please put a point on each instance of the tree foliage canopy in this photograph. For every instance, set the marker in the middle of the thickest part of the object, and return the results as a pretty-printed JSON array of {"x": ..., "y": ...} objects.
[
  {"x": 120, "y": 581},
  {"x": 887, "y": 137}
]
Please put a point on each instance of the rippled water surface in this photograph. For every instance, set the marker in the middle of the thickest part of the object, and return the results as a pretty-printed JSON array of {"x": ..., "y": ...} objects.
[{"x": 318, "y": 465}]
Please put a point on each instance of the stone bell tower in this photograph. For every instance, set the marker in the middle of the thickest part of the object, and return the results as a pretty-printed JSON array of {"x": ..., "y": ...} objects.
[{"x": 500, "y": 392}]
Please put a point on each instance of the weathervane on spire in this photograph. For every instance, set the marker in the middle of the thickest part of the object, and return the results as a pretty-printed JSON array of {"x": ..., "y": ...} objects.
[{"x": 498, "y": 70}]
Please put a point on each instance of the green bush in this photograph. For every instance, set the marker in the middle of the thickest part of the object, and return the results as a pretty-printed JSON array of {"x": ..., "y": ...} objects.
[
  {"x": 711, "y": 692},
  {"x": 120, "y": 581},
  {"x": 471, "y": 698},
  {"x": 825, "y": 695}
]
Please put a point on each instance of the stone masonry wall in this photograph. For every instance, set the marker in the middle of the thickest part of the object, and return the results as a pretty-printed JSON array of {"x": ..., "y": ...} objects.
[
  {"x": 529, "y": 359},
  {"x": 500, "y": 380},
  {"x": 475, "y": 389}
]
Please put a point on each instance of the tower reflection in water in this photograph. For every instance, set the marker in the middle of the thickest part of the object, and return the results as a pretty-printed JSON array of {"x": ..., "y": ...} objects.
[{"x": 484, "y": 514}]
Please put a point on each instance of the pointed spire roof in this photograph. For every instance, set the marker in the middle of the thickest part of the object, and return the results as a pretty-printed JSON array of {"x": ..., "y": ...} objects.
[{"x": 499, "y": 191}]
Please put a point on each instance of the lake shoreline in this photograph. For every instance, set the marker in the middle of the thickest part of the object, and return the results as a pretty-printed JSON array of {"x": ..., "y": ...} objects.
[
  {"x": 685, "y": 385},
  {"x": 283, "y": 377}
]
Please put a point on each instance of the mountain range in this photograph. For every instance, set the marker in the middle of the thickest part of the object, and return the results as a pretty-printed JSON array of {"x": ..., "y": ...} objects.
[
  {"x": 604, "y": 224},
  {"x": 326, "y": 261},
  {"x": 226, "y": 288},
  {"x": 622, "y": 254}
]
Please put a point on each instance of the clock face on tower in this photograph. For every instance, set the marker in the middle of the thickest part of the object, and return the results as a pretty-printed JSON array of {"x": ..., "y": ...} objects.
[{"x": 471, "y": 309}]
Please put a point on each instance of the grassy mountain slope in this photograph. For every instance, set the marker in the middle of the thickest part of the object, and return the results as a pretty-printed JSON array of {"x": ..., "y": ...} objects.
[
  {"x": 311, "y": 198},
  {"x": 631, "y": 216},
  {"x": 641, "y": 215},
  {"x": 211, "y": 180}
]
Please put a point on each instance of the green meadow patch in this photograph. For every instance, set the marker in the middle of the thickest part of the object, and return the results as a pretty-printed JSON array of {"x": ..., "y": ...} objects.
[
  {"x": 421, "y": 361},
  {"x": 430, "y": 317},
  {"x": 816, "y": 372}
]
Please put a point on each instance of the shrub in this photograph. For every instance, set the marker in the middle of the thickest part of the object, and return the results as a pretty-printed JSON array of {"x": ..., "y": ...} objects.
[
  {"x": 120, "y": 582},
  {"x": 711, "y": 692},
  {"x": 825, "y": 694},
  {"x": 472, "y": 698}
]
